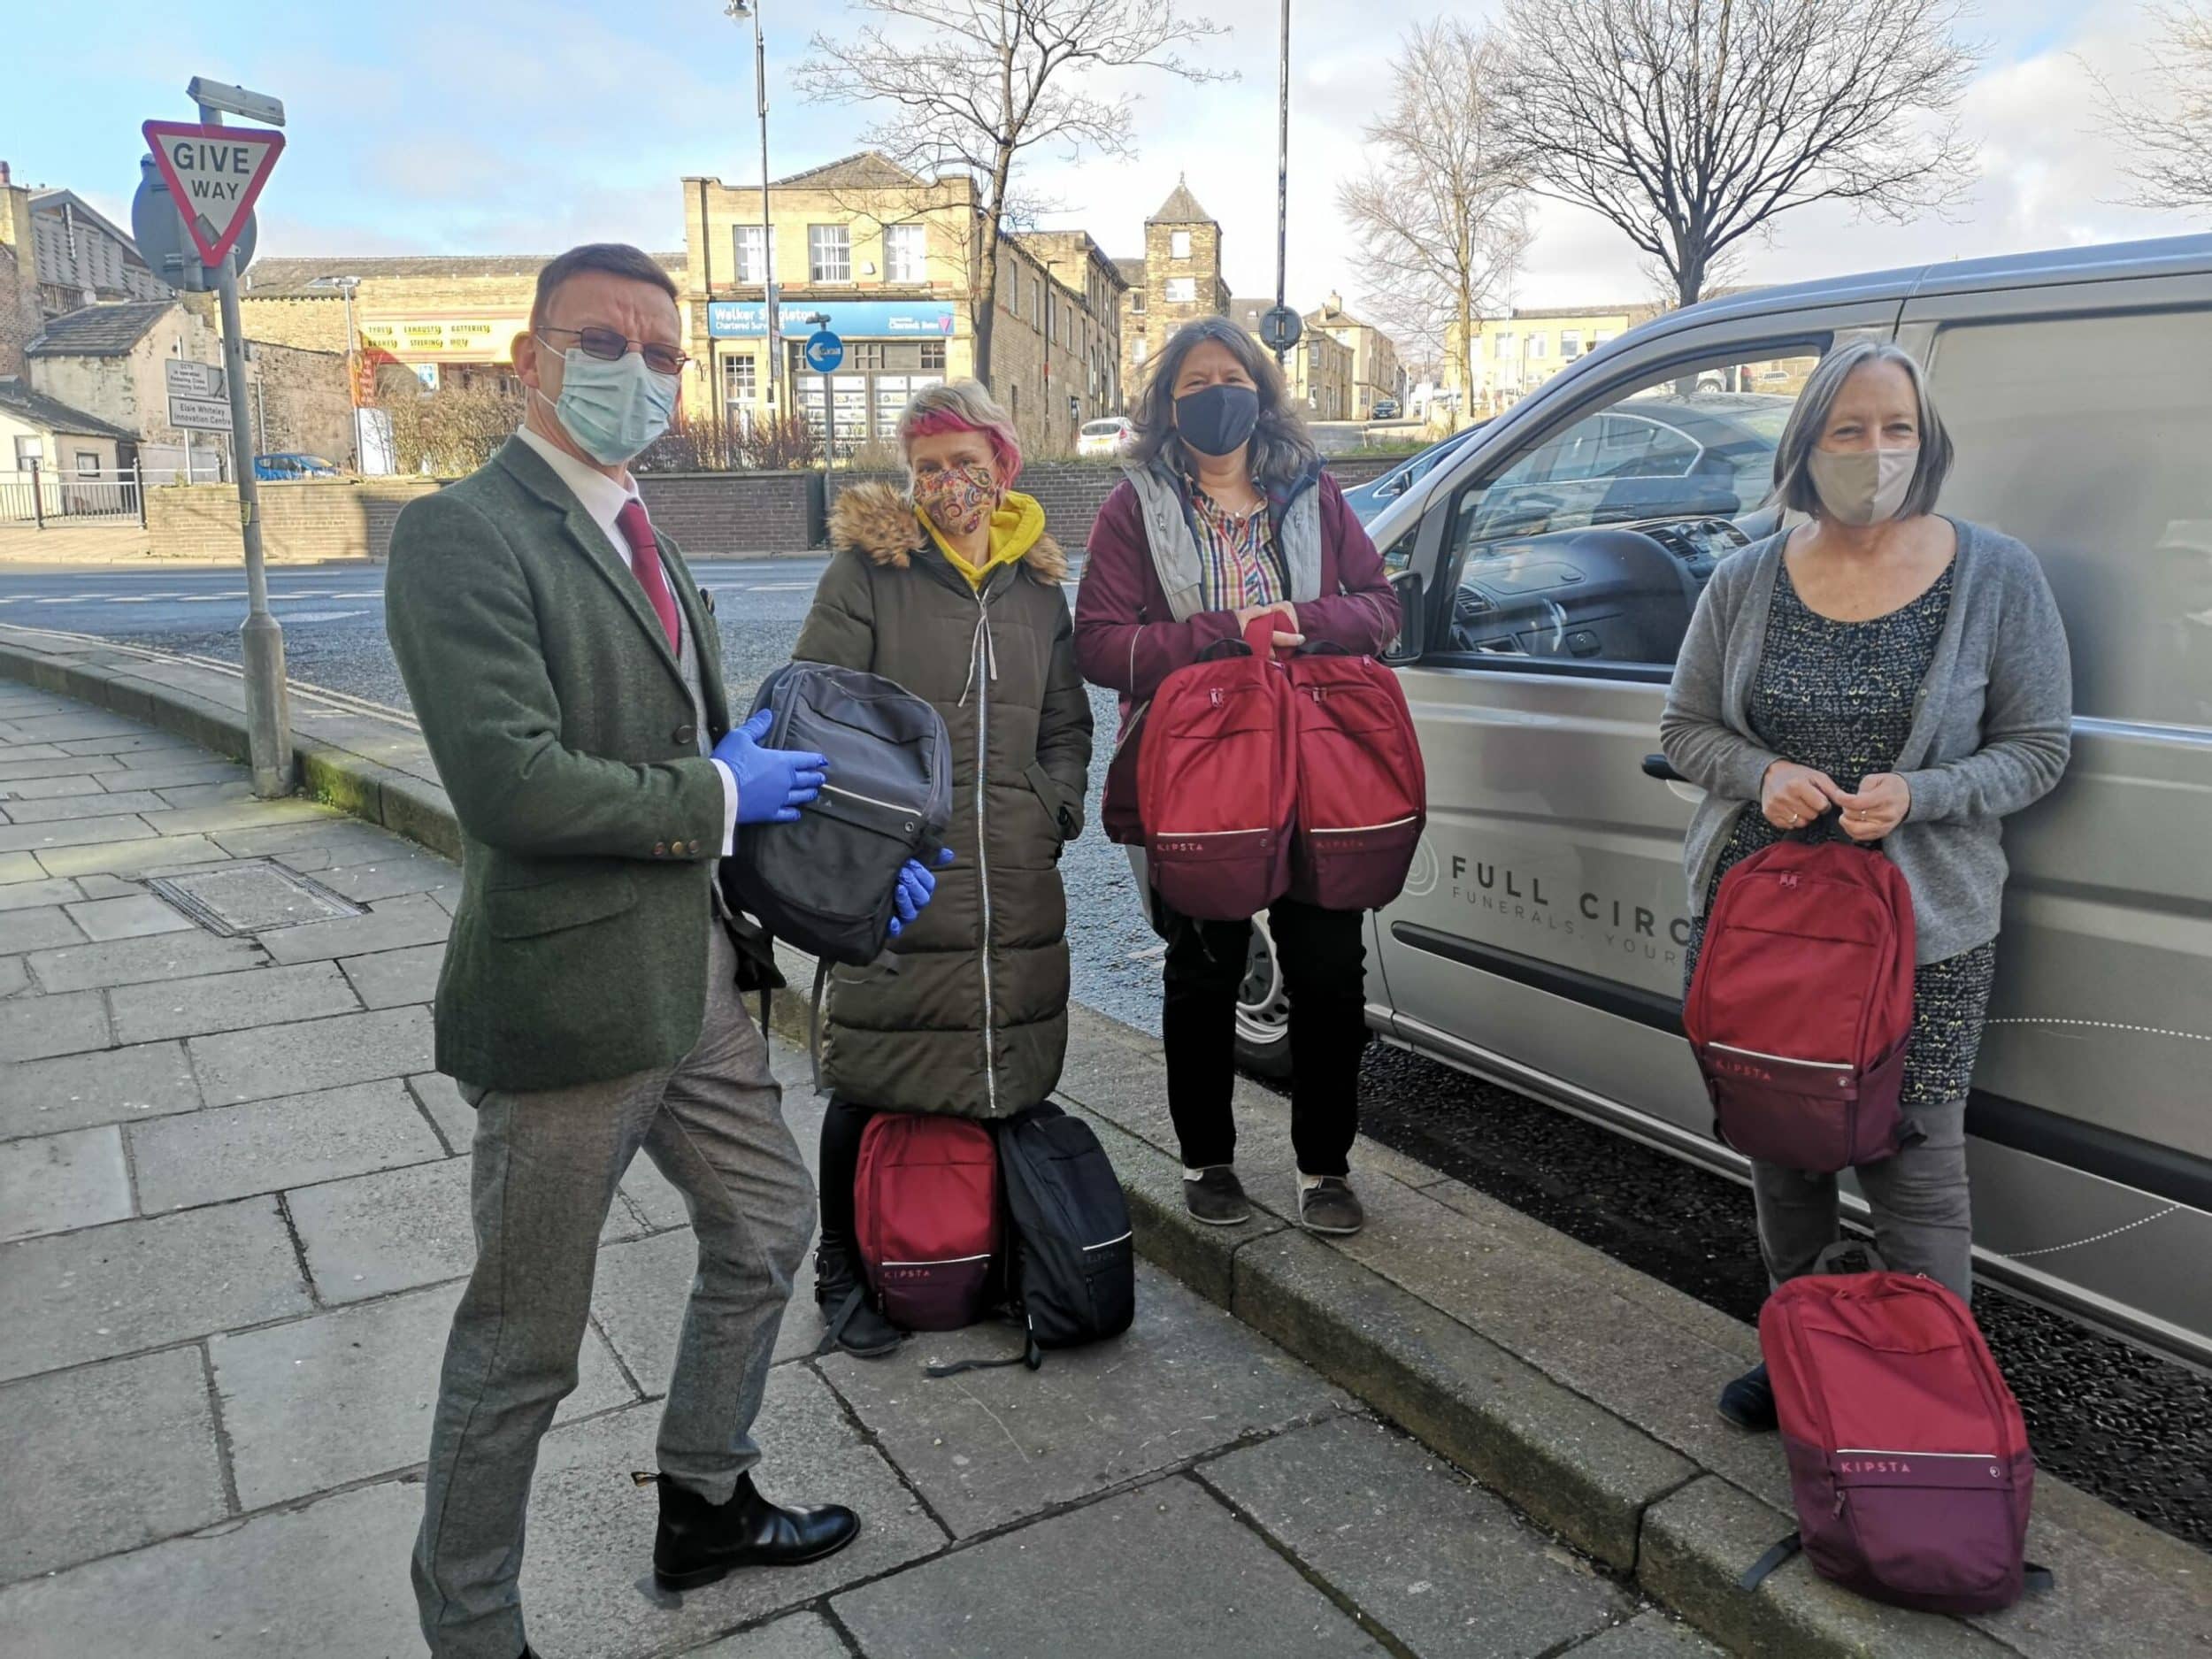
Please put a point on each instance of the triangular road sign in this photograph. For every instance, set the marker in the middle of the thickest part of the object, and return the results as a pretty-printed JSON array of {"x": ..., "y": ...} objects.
[{"x": 213, "y": 174}]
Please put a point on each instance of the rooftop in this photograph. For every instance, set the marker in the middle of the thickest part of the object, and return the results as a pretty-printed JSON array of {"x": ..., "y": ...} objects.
[
  {"x": 864, "y": 170},
  {"x": 298, "y": 278},
  {"x": 52, "y": 414},
  {"x": 1180, "y": 208},
  {"x": 99, "y": 331}
]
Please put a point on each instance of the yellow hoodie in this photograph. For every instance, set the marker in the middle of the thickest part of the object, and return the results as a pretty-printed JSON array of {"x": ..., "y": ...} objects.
[{"x": 1014, "y": 528}]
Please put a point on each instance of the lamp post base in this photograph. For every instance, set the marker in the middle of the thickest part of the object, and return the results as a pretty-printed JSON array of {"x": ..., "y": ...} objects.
[{"x": 268, "y": 709}]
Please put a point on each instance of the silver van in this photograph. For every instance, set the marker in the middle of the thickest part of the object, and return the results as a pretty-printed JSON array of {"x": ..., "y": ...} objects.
[{"x": 1549, "y": 569}]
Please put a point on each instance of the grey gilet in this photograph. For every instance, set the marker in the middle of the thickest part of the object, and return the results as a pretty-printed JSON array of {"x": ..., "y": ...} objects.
[
  {"x": 1992, "y": 729},
  {"x": 1179, "y": 566}
]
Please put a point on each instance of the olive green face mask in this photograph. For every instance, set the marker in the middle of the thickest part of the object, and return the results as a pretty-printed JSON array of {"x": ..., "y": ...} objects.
[{"x": 1861, "y": 487}]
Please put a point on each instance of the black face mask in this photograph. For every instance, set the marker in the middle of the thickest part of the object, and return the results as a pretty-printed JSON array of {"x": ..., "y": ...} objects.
[{"x": 1218, "y": 419}]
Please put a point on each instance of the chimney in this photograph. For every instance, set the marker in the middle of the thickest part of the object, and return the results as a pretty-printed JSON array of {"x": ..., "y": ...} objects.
[{"x": 4, "y": 177}]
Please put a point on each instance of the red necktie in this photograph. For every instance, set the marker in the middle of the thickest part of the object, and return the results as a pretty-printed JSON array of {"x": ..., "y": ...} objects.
[{"x": 645, "y": 565}]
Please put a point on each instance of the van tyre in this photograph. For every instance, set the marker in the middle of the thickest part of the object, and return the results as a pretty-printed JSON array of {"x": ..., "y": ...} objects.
[{"x": 1262, "y": 1018}]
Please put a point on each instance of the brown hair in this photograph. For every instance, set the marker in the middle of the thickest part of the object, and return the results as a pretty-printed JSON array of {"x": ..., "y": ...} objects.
[
  {"x": 1281, "y": 446},
  {"x": 616, "y": 258}
]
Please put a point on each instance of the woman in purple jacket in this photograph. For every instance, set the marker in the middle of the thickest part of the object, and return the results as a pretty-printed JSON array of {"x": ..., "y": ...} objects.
[{"x": 1227, "y": 515}]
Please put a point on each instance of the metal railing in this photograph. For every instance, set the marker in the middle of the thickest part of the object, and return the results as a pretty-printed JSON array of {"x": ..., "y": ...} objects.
[{"x": 43, "y": 496}]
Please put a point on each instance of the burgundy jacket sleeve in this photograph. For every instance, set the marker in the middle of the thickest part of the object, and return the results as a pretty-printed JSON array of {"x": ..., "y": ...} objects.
[
  {"x": 1361, "y": 613},
  {"x": 1124, "y": 639}
]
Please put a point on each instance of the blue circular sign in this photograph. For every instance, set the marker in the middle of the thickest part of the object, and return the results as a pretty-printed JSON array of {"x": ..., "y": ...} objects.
[{"x": 824, "y": 351}]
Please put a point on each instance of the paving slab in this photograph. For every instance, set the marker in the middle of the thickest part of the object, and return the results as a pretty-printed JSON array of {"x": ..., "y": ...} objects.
[
  {"x": 167, "y": 773},
  {"x": 116, "y": 734},
  {"x": 391, "y": 924},
  {"x": 79, "y": 725},
  {"x": 52, "y": 1183},
  {"x": 273, "y": 1586},
  {"x": 1447, "y": 1567},
  {"x": 141, "y": 961},
  {"x": 990, "y": 1447},
  {"x": 159, "y": 855},
  {"x": 31, "y": 895},
  {"x": 586, "y": 1578},
  {"x": 799, "y": 1636},
  {"x": 105, "y": 1291},
  {"x": 343, "y": 840},
  {"x": 133, "y": 918},
  {"x": 639, "y": 1295},
  {"x": 107, "y": 886},
  {"x": 322, "y": 1401},
  {"x": 38, "y": 760},
  {"x": 441, "y": 1097},
  {"x": 230, "y": 1001},
  {"x": 396, "y": 1229},
  {"x": 388, "y": 878},
  {"x": 20, "y": 867},
  {"x": 14, "y": 977},
  {"x": 292, "y": 1059},
  {"x": 1654, "y": 1633},
  {"x": 191, "y": 795},
  {"x": 63, "y": 808},
  {"x": 391, "y": 979},
  {"x": 107, "y": 1085},
  {"x": 234, "y": 815},
  {"x": 82, "y": 783},
  {"x": 38, "y": 838},
  {"x": 1162, "y": 1570},
  {"x": 42, "y": 929},
  {"x": 32, "y": 1027},
  {"x": 229, "y": 1151},
  {"x": 104, "y": 1458}
]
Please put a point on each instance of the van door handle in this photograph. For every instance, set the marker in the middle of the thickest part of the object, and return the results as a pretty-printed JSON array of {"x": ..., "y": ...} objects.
[{"x": 1660, "y": 767}]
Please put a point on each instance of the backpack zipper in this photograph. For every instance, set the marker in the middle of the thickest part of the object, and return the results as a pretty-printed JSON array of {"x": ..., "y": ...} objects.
[
  {"x": 1358, "y": 829},
  {"x": 854, "y": 795},
  {"x": 1757, "y": 1054}
]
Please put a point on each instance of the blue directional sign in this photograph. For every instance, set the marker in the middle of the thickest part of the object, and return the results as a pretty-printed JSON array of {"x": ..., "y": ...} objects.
[{"x": 824, "y": 351}]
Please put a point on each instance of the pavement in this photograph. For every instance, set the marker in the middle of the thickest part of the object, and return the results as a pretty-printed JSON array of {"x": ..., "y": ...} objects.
[{"x": 233, "y": 1197}]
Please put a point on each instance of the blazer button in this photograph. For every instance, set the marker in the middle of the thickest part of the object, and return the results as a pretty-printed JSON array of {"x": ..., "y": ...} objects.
[
  {"x": 687, "y": 734},
  {"x": 660, "y": 850}
]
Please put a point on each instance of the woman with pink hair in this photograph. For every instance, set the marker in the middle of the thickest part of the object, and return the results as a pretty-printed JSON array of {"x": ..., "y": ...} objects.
[{"x": 951, "y": 587}]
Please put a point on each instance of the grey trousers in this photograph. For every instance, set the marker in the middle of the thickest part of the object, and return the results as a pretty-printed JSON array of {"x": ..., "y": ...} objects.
[
  {"x": 1923, "y": 1221},
  {"x": 545, "y": 1170}
]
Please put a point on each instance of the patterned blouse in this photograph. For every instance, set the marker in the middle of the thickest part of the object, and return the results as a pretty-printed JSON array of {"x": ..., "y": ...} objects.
[{"x": 1238, "y": 565}]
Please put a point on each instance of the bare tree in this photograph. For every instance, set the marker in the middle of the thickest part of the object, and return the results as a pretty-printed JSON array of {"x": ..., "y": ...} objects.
[
  {"x": 972, "y": 85},
  {"x": 451, "y": 430},
  {"x": 1440, "y": 214},
  {"x": 2168, "y": 135},
  {"x": 1690, "y": 124}
]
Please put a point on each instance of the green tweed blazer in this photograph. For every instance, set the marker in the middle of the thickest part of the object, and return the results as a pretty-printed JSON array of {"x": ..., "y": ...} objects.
[{"x": 563, "y": 732}]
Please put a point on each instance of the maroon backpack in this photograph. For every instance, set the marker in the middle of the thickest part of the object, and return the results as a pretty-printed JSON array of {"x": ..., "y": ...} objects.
[
  {"x": 1909, "y": 1457},
  {"x": 1362, "y": 793},
  {"x": 1801, "y": 1009},
  {"x": 925, "y": 1204},
  {"x": 1217, "y": 781}
]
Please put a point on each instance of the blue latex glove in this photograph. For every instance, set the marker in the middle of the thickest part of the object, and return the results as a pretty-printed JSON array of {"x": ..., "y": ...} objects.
[
  {"x": 772, "y": 784},
  {"x": 916, "y": 887}
]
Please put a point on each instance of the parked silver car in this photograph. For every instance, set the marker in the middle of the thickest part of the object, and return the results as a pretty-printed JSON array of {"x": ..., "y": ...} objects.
[{"x": 1550, "y": 570}]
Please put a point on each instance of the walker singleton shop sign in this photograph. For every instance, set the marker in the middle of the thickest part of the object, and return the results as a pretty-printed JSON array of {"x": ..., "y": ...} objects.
[{"x": 861, "y": 320}]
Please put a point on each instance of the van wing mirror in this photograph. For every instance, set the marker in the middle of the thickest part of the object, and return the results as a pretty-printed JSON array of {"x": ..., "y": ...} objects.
[{"x": 1412, "y": 627}]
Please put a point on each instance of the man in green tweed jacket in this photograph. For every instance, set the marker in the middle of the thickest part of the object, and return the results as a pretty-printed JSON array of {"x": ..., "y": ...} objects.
[{"x": 567, "y": 674}]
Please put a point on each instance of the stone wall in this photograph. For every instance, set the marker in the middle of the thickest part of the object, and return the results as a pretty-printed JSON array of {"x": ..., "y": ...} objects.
[
  {"x": 304, "y": 405},
  {"x": 713, "y": 515},
  {"x": 310, "y": 519}
]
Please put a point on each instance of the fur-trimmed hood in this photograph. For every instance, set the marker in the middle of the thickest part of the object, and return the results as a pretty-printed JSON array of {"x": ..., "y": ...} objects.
[{"x": 880, "y": 521}]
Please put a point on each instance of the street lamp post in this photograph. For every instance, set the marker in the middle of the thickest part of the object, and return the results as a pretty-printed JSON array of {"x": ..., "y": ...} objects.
[
  {"x": 1282, "y": 176},
  {"x": 751, "y": 9},
  {"x": 346, "y": 286}
]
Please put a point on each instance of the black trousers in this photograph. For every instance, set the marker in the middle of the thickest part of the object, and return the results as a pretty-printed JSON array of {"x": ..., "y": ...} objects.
[
  {"x": 842, "y": 1126},
  {"x": 1324, "y": 958}
]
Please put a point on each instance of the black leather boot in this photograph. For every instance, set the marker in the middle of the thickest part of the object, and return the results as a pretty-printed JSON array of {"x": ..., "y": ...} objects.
[
  {"x": 699, "y": 1542},
  {"x": 852, "y": 1320}
]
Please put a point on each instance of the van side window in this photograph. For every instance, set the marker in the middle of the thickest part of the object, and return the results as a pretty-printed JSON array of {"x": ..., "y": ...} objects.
[
  {"x": 2088, "y": 437},
  {"x": 1592, "y": 542}
]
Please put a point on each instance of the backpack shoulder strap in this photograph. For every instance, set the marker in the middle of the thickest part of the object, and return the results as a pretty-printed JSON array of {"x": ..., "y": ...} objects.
[
  {"x": 814, "y": 1021},
  {"x": 1031, "y": 1356},
  {"x": 1758, "y": 1571}
]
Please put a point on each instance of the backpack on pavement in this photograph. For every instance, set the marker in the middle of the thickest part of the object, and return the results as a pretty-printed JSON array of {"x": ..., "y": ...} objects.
[
  {"x": 1073, "y": 1273},
  {"x": 1363, "y": 792},
  {"x": 925, "y": 1210},
  {"x": 1800, "y": 1008},
  {"x": 1217, "y": 782},
  {"x": 826, "y": 883},
  {"x": 1909, "y": 1458}
]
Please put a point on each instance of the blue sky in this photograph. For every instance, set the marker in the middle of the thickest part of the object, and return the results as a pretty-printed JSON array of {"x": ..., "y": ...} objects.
[{"x": 501, "y": 125}]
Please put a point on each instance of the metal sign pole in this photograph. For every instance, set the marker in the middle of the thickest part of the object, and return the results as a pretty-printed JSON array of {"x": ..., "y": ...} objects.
[
  {"x": 1282, "y": 179},
  {"x": 268, "y": 713}
]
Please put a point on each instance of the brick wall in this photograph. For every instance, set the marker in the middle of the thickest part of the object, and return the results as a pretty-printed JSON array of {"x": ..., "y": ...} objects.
[
  {"x": 711, "y": 515},
  {"x": 314, "y": 519}
]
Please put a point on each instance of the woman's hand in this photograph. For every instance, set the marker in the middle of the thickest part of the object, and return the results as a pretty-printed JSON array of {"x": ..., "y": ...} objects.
[
  {"x": 1283, "y": 642},
  {"x": 1792, "y": 796},
  {"x": 1881, "y": 804}
]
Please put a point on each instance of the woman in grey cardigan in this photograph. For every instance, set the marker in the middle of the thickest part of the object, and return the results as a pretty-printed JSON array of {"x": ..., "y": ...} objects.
[{"x": 1903, "y": 678}]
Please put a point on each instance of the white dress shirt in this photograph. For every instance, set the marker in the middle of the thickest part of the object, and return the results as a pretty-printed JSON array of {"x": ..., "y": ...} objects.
[{"x": 602, "y": 500}]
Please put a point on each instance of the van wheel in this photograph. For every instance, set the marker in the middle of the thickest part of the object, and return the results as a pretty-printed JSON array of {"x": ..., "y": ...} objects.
[{"x": 1263, "y": 1009}]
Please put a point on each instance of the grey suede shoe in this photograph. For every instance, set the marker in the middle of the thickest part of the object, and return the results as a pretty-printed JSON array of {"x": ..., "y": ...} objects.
[
  {"x": 1332, "y": 1207},
  {"x": 1216, "y": 1197}
]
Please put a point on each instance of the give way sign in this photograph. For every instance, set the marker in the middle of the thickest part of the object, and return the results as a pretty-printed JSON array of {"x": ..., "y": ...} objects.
[{"x": 213, "y": 174}]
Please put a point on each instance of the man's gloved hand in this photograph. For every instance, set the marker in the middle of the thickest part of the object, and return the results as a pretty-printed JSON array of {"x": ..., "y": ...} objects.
[
  {"x": 916, "y": 887},
  {"x": 772, "y": 784}
]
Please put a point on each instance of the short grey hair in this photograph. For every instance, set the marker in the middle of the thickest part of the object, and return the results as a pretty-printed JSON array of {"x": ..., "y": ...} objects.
[{"x": 1808, "y": 420}]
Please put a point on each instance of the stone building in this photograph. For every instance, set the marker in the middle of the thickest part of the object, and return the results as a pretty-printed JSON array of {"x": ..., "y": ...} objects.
[
  {"x": 889, "y": 260},
  {"x": 1178, "y": 277},
  {"x": 1319, "y": 367},
  {"x": 1517, "y": 352},
  {"x": 58, "y": 255},
  {"x": 1375, "y": 374}
]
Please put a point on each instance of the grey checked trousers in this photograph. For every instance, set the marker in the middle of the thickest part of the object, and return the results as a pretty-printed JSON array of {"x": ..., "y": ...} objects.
[{"x": 545, "y": 1170}]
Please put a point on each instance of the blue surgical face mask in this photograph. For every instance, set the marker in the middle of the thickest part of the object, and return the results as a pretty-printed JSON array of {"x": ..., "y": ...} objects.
[{"x": 612, "y": 410}]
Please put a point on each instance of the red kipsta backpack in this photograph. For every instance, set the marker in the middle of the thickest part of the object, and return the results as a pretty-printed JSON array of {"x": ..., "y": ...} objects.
[
  {"x": 1217, "y": 781},
  {"x": 1801, "y": 1009},
  {"x": 925, "y": 1205},
  {"x": 1909, "y": 1458},
  {"x": 1363, "y": 792}
]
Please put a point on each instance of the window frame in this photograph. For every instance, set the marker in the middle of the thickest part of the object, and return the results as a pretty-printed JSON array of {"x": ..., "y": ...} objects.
[
  {"x": 1179, "y": 244},
  {"x": 739, "y": 233},
  {"x": 816, "y": 268},
  {"x": 910, "y": 239},
  {"x": 1188, "y": 298}
]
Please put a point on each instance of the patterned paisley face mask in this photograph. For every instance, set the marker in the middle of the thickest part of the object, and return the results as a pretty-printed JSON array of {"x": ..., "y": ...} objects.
[{"x": 957, "y": 499}]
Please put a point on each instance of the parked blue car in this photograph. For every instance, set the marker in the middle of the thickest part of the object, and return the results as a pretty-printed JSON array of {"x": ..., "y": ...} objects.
[
  {"x": 1367, "y": 499},
  {"x": 278, "y": 467}
]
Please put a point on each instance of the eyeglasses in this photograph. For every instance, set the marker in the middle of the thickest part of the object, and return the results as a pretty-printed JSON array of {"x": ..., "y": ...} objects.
[{"x": 609, "y": 344}]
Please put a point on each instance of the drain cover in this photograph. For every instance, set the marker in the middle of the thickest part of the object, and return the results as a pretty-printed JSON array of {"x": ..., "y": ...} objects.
[{"x": 253, "y": 897}]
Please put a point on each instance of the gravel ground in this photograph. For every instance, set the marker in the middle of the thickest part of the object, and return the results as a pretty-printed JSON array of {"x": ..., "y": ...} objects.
[{"x": 2125, "y": 1424}]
